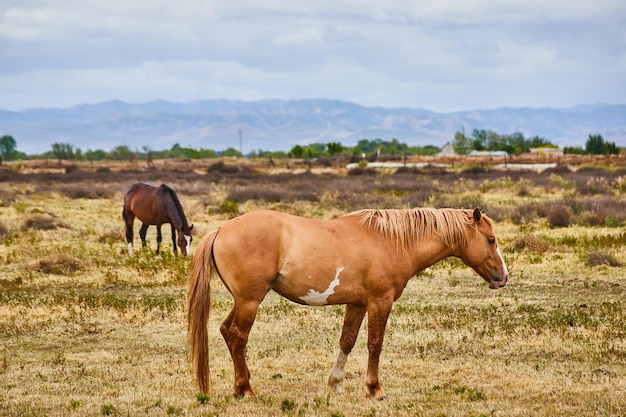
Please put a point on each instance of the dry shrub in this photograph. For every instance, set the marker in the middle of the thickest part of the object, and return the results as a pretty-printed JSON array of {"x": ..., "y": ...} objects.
[
  {"x": 522, "y": 214},
  {"x": 600, "y": 211},
  {"x": 271, "y": 195},
  {"x": 71, "y": 169},
  {"x": 362, "y": 171},
  {"x": 62, "y": 264},
  {"x": 531, "y": 243},
  {"x": 559, "y": 215},
  {"x": 222, "y": 168},
  {"x": 90, "y": 191},
  {"x": 47, "y": 221},
  {"x": 594, "y": 186},
  {"x": 111, "y": 236},
  {"x": 599, "y": 258}
]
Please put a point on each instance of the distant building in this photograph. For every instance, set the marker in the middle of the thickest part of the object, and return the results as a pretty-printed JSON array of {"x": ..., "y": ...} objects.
[
  {"x": 447, "y": 150},
  {"x": 488, "y": 153},
  {"x": 546, "y": 151}
]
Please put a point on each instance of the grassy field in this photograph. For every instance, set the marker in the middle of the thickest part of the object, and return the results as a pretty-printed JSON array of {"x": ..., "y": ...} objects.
[{"x": 86, "y": 330}]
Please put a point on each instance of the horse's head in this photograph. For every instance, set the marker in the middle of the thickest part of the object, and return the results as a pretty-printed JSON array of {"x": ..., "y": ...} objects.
[
  {"x": 483, "y": 255},
  {"x": 184, "y": 241}
]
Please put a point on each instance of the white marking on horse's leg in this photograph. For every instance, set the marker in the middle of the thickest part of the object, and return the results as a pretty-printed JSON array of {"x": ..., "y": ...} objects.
[
  {"x": 316, "y": 298},
  {"x": 337, "y": 374},
  {"x": 188, "y": 239},
  {"x": 506, "y": 271},
  {"x": 130, "y": 249}
]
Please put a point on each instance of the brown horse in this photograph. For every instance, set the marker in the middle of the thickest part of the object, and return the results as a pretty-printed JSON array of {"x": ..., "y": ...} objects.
[
  {"x": 155, "y": 206},
  {"x": 363, "y": 259}
]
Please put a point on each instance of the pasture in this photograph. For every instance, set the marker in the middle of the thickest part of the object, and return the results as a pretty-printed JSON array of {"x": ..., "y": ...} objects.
[{"x": 87, "y": 330}]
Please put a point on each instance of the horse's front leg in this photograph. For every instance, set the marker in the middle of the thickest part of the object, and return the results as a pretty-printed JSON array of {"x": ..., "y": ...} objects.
[
  {"x": 174, "y": 238},
  {"x": 142, "y": 233},
  {"x": 377, "y": 315},
  {"x": 235, "y": 330},
  {"x": 159, "y": 238},
  {"x": 351, "y": 325}
]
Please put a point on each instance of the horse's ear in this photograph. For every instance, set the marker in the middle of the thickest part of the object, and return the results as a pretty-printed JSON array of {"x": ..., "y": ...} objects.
[{"x": 477, "y": 215}]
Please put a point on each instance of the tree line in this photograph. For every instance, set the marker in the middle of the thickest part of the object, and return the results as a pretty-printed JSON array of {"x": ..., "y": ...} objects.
[
  {"x": 479, "y": 140},
  {"x": 68, "y": 152},
  {"x": 516, "y": 144}
]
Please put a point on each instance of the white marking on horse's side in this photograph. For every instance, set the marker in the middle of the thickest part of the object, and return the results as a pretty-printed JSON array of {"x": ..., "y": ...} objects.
[
  {"x": 188, "y": 239},
  {"x": 316, "y": 298},
  {"x": 337, "y": 374},
  {"x": 130, "y": 249},
  {"x": 506, "y": 271}
]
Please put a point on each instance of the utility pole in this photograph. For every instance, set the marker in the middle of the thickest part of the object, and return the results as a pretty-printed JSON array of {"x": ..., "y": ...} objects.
[{"x": 240, "y": 144}]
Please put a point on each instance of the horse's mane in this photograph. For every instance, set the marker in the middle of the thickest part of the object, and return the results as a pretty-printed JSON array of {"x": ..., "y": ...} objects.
[
  {"x": 179, "y": 207},
  {"x": 407, "y": 226}
]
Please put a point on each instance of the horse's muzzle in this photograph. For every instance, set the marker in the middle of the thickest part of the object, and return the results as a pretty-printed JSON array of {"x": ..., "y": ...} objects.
[{"x": 497, "y": 282}]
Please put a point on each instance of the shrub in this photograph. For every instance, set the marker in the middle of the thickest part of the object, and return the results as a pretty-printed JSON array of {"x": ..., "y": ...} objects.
[
  {"x": 44, "y": 222},
  {"x": 559, "y": 215},
  {"x": 62, "y": 264},
  {"x": 362, "y": 171},
  {"x": 229, "y": 207},
  {"x": 599, "y": 258},
  {"x": 222, "y": 168},
  {"x": 531, "y": 243}
]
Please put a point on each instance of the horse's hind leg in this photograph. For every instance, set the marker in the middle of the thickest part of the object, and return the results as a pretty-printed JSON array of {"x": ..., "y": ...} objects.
[
  {"x": 351, "y": 325},
  {"x": 142, "y": 233},
  {"x": 235, "y": 330},
  {"x": 128, "y": 221}
]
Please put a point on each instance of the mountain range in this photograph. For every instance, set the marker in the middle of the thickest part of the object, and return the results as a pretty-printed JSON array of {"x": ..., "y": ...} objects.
[{"x": 281, "y": 124}]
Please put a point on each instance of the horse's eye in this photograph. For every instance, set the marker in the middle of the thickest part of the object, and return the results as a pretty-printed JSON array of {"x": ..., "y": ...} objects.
[{"x": 492, "y": 240}]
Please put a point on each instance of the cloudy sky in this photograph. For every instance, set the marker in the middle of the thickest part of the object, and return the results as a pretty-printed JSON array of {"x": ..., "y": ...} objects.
[{"x": 441, "y": 55}]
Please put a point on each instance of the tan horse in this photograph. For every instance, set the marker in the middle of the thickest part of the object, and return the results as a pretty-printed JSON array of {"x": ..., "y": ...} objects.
[{"x": 363, "y": 259}]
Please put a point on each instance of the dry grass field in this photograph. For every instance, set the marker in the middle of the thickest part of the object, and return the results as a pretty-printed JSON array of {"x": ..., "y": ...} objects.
[{"x": 86, "y": 330}]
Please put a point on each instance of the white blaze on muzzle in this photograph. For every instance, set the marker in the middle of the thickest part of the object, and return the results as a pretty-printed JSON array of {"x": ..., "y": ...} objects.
[
  {"x": 504, "y": 268},
  {"x": 188, "y": 247}
]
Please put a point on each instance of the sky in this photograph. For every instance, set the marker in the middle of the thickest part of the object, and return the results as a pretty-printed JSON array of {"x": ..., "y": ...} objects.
[{"x": 439, "y": 55}]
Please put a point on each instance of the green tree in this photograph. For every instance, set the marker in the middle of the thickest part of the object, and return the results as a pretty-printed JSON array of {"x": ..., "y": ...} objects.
[
  {"x": 232, "y": 152},
  {"x": 461, "y": 143},
  {"x": 7, "y": 147},
  {"x": 596, "y": 145},
  {"x": 334, "y": 148},
  {"x": 96, "y": 155},
  {"x": 63, "y": 151},
  {"x": 121, "y": 153},
  {"x": 297, "y": 151}
]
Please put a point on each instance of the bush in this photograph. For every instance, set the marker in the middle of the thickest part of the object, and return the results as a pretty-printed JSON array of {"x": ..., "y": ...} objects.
[
  {"x": 531, "y": 243},
  {"x": 62, "y": 264},
  {"x": 599, "y": 258},
  {"x": 44, "y": 222},
  {"x": 229, "y": 207},
  {"x": 559, "y": 216}
]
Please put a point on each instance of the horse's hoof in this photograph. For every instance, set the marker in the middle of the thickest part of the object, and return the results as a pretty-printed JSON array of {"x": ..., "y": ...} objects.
[
  {"x": 336, "y": 387},
  {"x": 245, "y": 394}
]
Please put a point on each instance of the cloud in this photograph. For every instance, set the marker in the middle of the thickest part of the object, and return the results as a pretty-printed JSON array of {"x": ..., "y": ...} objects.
[{"x": 444, "y": 55}]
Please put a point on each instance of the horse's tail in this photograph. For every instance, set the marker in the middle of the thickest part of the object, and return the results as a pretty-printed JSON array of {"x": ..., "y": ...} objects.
[{"x": 199, "y": 306}]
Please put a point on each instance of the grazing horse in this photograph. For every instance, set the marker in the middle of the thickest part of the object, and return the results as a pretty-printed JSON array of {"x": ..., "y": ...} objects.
[
  {"x": 156, "y": 205},
  {"x": 363, "y": 259}
]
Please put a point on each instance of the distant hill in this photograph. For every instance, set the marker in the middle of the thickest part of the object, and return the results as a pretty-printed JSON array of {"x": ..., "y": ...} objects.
[{"x": 281, "y": 124}]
